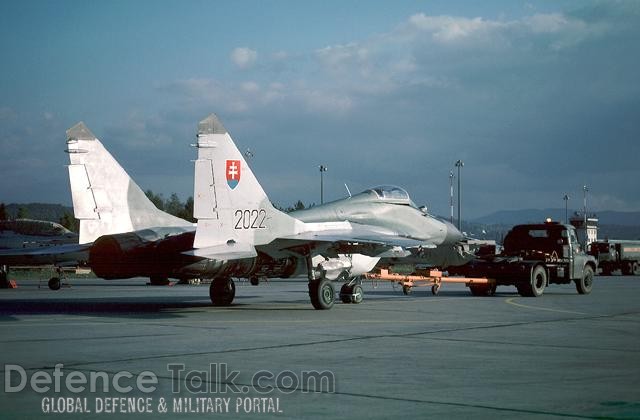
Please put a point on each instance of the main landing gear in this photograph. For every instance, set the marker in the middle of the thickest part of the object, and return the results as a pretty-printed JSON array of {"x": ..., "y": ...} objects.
[
  {"x": 56, "y": 281},
  {"x": 323, "y": 295},
  {"x": 222, "y": 291},
  {"x": 351, "y": 292}
]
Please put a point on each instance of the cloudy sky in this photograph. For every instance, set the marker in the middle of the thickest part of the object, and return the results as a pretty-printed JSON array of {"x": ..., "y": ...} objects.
[{"x": 537, "y": 98}]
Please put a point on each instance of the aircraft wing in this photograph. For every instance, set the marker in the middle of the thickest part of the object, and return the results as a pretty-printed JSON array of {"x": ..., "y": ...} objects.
[
  {"x": 46, "y": 255},
  {"x": 348, "y": 239},
  {"x": 358, "y": 239}
]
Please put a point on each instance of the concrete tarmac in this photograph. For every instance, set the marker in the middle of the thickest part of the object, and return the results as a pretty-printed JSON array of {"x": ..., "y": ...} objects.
[{"x": 126, "y": 350}]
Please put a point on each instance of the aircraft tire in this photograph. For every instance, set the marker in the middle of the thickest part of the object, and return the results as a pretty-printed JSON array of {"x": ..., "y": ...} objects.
[
  {"x": 435, "y": 289},
  {"x": 254, "y": 281},
  {"x": 322, "y": 294},
  {"x": 357, "y": 294},
  {"x": 54, "y": 283},
  {"x": 406, "y": 290},
  {"x": 222, "y": 291},
  {"x": 585, "y": 284}
]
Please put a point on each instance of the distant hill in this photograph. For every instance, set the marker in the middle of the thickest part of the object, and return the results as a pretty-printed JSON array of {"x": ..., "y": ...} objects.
[
  {"x": 514, "y": 217},
  {"x": 39, "y": 211},
  {"x": 611, "y": 224}
]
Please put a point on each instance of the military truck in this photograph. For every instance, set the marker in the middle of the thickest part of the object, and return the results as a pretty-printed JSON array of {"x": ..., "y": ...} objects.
[
  {"x": 534, "y": 256},
  {"x": 615, "y": 254}
]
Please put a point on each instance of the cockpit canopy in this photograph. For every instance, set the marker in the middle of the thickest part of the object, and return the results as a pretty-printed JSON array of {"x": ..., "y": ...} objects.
[{"x": 390, "y": 194}]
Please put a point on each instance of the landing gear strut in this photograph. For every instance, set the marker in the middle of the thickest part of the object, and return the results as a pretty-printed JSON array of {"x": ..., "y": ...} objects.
[{"x": 222, "y": 291}]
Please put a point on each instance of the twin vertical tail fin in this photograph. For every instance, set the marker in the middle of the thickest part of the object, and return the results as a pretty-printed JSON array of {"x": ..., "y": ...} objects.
[
  {"x": 233, "y": 211},
  {"x": 105, "y": 199}
]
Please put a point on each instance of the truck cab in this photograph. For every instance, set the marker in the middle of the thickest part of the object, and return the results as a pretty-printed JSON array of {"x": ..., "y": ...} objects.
[{"x": 536, "y": 255}]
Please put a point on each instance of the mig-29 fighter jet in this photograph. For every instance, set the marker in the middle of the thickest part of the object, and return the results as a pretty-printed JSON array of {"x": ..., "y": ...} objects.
[{"x": 239, "y": 233}]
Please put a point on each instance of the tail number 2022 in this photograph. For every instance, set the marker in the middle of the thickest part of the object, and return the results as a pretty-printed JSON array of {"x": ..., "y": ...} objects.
[{"x": 250, "y": 219}]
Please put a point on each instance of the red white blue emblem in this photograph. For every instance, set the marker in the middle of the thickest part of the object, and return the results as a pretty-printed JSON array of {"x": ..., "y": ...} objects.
[{"x": 233, "y": 173}]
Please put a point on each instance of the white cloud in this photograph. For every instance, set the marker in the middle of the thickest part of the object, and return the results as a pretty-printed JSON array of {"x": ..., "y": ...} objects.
[
  {"x": 490, "y": 91},
  {"x": 546, "y": 23},
  {"x": 243, "y": 57},
  {"x": 451, "y": 28}
]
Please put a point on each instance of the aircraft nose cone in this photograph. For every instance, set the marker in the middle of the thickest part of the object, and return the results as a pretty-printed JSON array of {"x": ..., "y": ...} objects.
[{"x": 453, "y": 235}]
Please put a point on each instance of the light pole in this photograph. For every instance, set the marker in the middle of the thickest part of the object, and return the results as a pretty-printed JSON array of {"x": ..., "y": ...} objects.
[
  {"x": 459, "y": 165},
  {"x": 566, "y": 208},
  {"x": 585, "y": 189},
  {"x": 451, "y": 176},
  {"x": 322, "y": 170}
]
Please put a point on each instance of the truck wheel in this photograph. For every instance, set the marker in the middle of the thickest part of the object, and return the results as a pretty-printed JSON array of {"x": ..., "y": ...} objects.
[
  {"x": 627, "y": 269},
  {"x": 477, "y": 291},
  {"x": 492, "y": 289},
  {"x": 585, "y": 284},
  {"x": 536, "y": 284},
  {"x": 636, "y": 269},
  {"x": 483, "y": 290}
]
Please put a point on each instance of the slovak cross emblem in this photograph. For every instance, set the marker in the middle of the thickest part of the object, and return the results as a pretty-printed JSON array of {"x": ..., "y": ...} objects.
[{"x": 233, "y": 173}]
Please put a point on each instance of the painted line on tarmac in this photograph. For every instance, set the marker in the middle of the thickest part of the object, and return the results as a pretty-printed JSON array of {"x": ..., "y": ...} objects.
[{"x": 510, "y": 301}]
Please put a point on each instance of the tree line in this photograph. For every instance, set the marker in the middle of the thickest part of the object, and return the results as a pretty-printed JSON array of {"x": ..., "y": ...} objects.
[{"x": 64, "y": 215}]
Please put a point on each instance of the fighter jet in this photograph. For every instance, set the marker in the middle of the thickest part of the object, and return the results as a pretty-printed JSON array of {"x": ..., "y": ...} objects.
[
  {"x": 239, "y": 233},
  {"x": 22, "y": 242},
  {"x": 338, "y": 241},
  {"x": 29, "y": 233}
]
